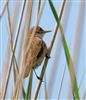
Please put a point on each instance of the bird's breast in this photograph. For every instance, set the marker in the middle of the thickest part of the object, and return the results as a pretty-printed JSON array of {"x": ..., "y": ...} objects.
[{"x": 39, "y": 50}]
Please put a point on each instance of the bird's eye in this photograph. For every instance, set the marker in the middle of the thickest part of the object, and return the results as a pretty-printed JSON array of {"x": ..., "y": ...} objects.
[{"x": 40, "y": 29}]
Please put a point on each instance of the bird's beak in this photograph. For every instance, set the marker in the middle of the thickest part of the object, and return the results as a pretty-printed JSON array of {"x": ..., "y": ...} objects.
[{"x": 46, "y": 31}]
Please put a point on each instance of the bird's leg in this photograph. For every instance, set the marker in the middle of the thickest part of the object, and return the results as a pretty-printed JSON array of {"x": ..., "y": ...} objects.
[{"x": 39, "y": 78}]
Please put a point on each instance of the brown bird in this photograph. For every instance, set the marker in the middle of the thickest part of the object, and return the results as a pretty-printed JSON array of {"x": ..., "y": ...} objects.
[{"x": 38, "y": 50}]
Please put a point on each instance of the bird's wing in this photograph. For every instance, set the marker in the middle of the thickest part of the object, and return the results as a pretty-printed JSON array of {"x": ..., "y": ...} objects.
[
  {"x": 37, "y": 48},
  {"x": 39, "y": 51}
]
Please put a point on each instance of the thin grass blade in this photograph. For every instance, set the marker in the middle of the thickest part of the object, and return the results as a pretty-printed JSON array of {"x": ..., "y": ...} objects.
[
  {"x": 67, "y": 53},
  {"x": 29, "y": 88}
]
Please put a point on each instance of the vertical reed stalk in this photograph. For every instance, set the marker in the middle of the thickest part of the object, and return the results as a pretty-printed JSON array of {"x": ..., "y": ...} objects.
[{"x": 46, "y": 60}]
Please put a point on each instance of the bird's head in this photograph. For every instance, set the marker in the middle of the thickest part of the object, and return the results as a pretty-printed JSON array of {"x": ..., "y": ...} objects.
[{"x": 40, "y": 32}]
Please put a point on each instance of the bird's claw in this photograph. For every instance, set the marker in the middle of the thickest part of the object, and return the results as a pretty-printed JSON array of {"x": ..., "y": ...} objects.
[{"x": 48, "y": 56}]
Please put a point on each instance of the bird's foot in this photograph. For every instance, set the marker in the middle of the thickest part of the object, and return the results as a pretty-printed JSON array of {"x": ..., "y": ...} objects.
[
  {"x": 47, "y": 56},
  {"x": 39, "y": 78}
]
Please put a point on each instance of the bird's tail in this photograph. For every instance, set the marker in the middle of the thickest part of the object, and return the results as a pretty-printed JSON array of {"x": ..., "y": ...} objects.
[{"x": 28, "y": 66}]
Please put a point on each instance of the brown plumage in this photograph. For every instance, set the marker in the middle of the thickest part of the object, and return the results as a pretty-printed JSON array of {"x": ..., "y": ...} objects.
[{"x": 37, "y": 52}]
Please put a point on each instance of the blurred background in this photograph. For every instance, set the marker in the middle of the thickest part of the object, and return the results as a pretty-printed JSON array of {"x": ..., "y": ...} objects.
[{"x": 57, "y": 80}]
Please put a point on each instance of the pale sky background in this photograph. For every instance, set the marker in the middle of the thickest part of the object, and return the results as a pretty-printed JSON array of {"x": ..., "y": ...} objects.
[{"x": 69, "y": 23}]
